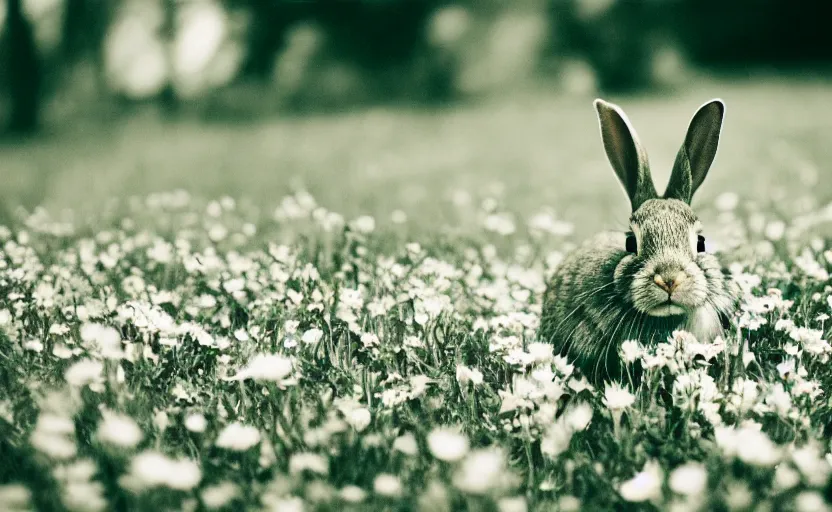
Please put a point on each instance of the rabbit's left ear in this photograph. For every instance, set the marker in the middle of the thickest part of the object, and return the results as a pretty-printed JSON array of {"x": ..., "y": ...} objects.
[{"x": 697, "y": 153}]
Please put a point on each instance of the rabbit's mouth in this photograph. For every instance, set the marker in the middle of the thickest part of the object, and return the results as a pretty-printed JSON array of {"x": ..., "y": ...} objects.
[{"x": 668, "y": 308}]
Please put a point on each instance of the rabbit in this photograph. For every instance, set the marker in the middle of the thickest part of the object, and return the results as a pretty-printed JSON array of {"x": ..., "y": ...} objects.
[{"x": 653, "y": 279}]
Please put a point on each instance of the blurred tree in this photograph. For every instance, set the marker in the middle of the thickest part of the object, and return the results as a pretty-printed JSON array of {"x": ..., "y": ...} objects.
[
  {"x": 498, "y": 48},
  {"x": 387, "y": 43},
  {"x": 744, "y": 33},
  {"x": 270, "y": 23},
  {"x": 81, "y": 80},
  {"x": 74, "y": 41},
  {"x": 329, "y": 54},
  {"x": 85, "y": 24},
  {"x": 24, "y": 70},
  {"x": 168, "y": 96},
  {"x": 613, "y": 36}
]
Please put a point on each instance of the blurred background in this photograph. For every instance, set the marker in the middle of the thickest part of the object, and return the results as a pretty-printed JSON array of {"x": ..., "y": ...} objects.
[{"x": 416, "y": 105}]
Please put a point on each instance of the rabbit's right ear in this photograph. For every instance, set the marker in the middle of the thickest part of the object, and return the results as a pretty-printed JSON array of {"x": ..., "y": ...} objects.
[{"x": 628, "y": 159}]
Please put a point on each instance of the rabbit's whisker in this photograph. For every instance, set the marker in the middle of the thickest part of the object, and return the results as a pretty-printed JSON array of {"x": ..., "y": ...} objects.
[
  {"x": 587, "y": 296},
  {"x": 567, "y": 341},
  {"x": 610, "y": 341}
]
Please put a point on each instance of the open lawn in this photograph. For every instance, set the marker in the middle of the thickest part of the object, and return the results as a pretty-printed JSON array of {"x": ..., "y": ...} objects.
[
  {"x": 540, "y": 149},
  {"x": 323, "y": 351}
]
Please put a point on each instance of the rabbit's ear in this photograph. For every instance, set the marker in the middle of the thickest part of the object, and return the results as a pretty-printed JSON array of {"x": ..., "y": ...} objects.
[
  {"x": 697, "y": 153},
  {"x": 626, "y": 155}
]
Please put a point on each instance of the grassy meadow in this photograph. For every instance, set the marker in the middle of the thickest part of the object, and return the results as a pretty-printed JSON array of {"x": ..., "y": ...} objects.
[{"x": 340, "y": 313}]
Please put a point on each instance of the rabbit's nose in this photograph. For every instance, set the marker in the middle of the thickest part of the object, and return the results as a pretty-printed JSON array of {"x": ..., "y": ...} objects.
[{"x": 669, "y": 281}]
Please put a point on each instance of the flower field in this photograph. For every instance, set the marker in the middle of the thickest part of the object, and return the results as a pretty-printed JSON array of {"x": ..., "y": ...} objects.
[{"x": 181, "y": 354}]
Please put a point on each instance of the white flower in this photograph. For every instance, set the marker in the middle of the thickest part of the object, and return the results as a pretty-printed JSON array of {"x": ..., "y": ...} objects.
[
  {"x": 369, "y": 340},
  {"x": 738, "y": 496},
  {"x": 784, "y": 324},
  {"x": 56, "y": 447},
  {"x": 785, "y": 477},
  {"x": 775, "y": 230},
  {"x": 287, "y": 504},
  {"x": 482, "y": 471},
  {"x": 311, "y": 462},
  {"x": 82, "y": 470},
  {"x": 359, "y": 419},
  {"x": 44, "y": 295},
  {"x": 53, "y": 436},
  {"x": 83, "y": 495},
  {"x": 268, "y": 367},
  {"x": 513, "y": 504},
  {"x": 15, "y": 497},
  {"x": 234, "y": 285},
  {"x": 545, "y": 221},
  {"x": 696, "y": 390},
  {"x": 387, "y": 485},
  {"x": 630, "y": 351},
  {"x": 119, "y": 430},
  {"x": 500, "y": 223},
  {"x": 364, "y": 224},
  {"x": 214, "y": 209},
  {"x": 617, "y": 398},
  {"x": 153, "y": 469},
  {"x": 786, "y": 368},
  {"x": 206, "y": 301},
  {"x": 291, "y": 326},
  {"x": 749, "y": 444},
  {"x": 779, "y": 399},
  {"x": 84, "y": 372},
  {"x": 579, "y": 416},
  {"x": 811, "y": 339},
  {"x": 217, "y": 232},
  {"x": 556, "y": 439},
  {"x": 238, "y": 437},
  {"x": 688, "y": 479},
  {"x": 565, "y": 368},
  {"x": 33, "y": 345},
  {"x": 447, "y": 444},
  {"x": 646, "y": 485},
  {"x": 398, "y": 217},
  {"x": 219, "y": 495},
  {"x": 312, "y": 336},
  {"x": 353, "y": 494},
  {"x": 465, "y": 375},
  {"x": 196, "y": 423},
  {"x": 809, "y": 460},
  {"x": 161, "y": 420},
  {"x": 106, "y": 338},
  {"x": 61, "y": 351},
  {"x": 543, "y": 374},
  {"x": 727, "y": 201},
  {"x": 447, "y": 26},
  {"x": 569, "y": 503},
  {"x": 461, "y": 197},
  {"x": 54, "y": 424},
  {"x": 406, "y": 444},
  {"x": 418, "y": 385},
  {"x": 810, "y": 501},
  {"x": 726, "y": 439},
  {"x": 541, "y": 352}
]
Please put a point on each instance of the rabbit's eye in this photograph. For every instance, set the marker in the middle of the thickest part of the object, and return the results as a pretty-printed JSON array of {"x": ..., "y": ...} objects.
[
  {"x": 631, "y": 245},
  {"x": 700, "y": 243}
]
